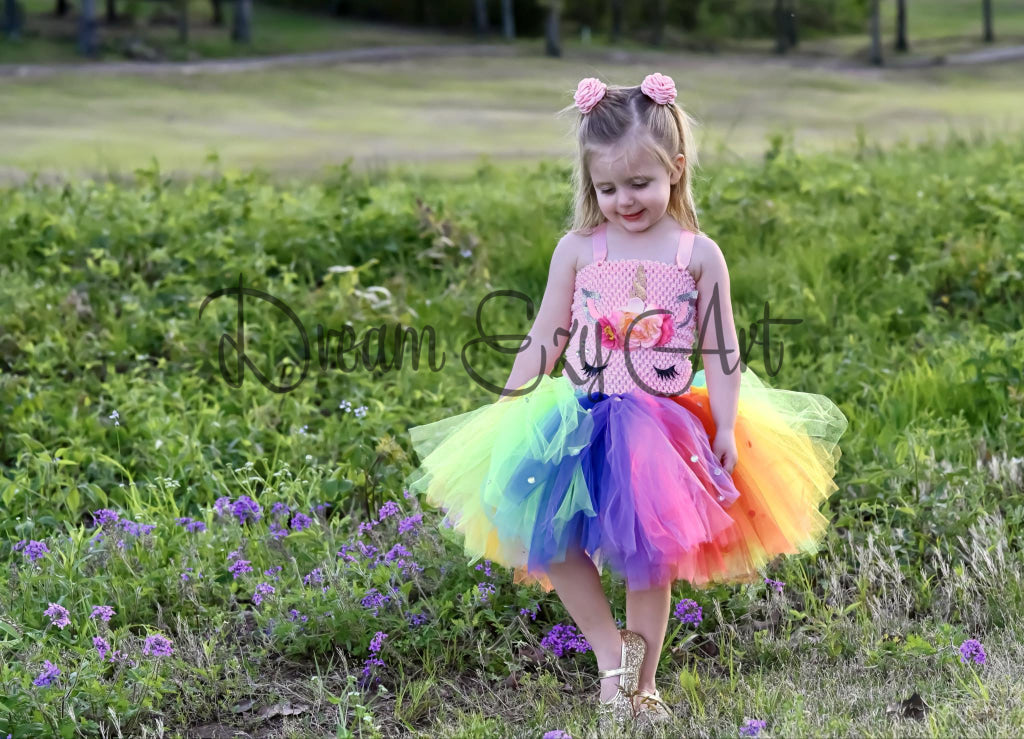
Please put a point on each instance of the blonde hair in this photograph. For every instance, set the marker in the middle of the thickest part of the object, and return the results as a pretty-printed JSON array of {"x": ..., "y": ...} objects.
[{"x": 663, "y": 130}]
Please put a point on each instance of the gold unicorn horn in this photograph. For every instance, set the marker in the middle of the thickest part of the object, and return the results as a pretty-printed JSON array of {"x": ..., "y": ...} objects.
[{"x": 640, "y": 284}]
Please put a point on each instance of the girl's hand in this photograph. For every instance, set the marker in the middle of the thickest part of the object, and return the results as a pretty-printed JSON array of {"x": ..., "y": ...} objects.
[{"x": 724, "y": 448}]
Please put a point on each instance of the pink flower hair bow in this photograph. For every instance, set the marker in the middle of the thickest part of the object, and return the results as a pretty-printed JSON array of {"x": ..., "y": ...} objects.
[
  {"x": 589, "y": 92},
  {"x": 659, "y": 87}
]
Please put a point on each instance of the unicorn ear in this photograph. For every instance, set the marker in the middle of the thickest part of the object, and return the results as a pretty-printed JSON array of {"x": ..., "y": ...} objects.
[{"x": 690, "y": 299}]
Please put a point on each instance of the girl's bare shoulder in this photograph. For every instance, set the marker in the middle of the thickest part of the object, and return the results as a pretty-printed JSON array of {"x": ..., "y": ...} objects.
[
  {"x": 575, "y": 249},
  {"x": 707, "y": 257}
]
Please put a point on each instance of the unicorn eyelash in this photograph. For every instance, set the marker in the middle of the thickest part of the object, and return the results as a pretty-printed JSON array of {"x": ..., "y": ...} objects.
[
  {"x": 668, "y": 373},
  {"x": 591, "y": 370}
]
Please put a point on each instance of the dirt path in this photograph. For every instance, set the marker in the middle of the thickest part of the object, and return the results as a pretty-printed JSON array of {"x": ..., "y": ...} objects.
[{"x": 392, "y": 53}]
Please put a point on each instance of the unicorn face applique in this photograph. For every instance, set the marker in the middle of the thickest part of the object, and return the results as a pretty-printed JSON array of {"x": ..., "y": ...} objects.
[{"x": 640, "y": 339}]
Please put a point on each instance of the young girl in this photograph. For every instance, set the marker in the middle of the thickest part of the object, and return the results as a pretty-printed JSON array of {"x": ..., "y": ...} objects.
[{"x": 626, "y": 458}]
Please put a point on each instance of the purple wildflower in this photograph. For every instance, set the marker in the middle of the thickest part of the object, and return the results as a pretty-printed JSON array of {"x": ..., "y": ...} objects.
[
  {"x": 239, "y": 567},
  {"x": 105, "y": 613},
  {"x": 407, "y": 494},
  {"x": 47, "y": 676},
  {"x": 395, "y": 552},
  {"x": 188, "y": 573},
  {"x": 191, "y": 525},
  {"x": 532, "y": 613},
  {"x": 486, "y": 567},
  {"x": 774, "y": 584},
  {"x": 689, "y": 612},
  {"x": 752, "y": 727},
  {"x": 486, "y": 590},
  {"x": 557, "y": 734},
  {"x": 246, "y": 509},
  {"x": 294, "y": 615},
  {"x": 35, "y": 550},
  {"x": 58, "y": 615},
  {"x": 222, "y": 505},
  {"x": 415, "y": 619},
  {"x": 562, "y": 638},
  {"x": 374, "y": 661},
  {"x": 301, "y": 521},
  {"x": 410, "y": 524},
  {"x": 157, "y": 646},
  {"x": 374, "y": 599},
  {"x": 105, "y": 516},
  {"x": 388, "y": 509},
  {"x": 262, "y": 590},
  {"x": 273, "y": 572},
  {"x": 102, "y": 646},
  {"x": 971, "y": 650},
  {"x": 279, "y": 510},
  {"x": 367, "y": 526},
  {"x": 277, "y": 532},
  {"x": 314, "y": 577}
]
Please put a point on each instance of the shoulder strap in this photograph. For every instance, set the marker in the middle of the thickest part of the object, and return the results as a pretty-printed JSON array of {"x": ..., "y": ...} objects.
[
  {"x": 599, "y": 242},
  {"x": 685, "y": 249}
]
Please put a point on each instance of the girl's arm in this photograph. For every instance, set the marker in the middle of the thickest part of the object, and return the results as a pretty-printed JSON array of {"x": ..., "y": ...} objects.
[
  {"x": 554, "y": 314},
  {"x": 720, "y": 352}
]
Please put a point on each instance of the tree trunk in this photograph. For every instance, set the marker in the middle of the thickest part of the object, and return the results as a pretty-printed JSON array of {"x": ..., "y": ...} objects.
[
  {"x": 986, "y": 9},
  {"x": 62, "y": 8},
  {"x": 876, "y": 34},
  {"x": 901, "y": 25},
  {"x": 218, "y": 12},
  {"x": 241, "y": 27},
  {"x": 781, "y": 37},
  {"x": 111, "y": 11},
  {"x": 791, "y": 31},
  {"x": 658, "y": 32},
  {"x": 481, "y": 16},
  {"x": 552, "y": 42},
  {"x": 508, "y": 20},
  {"x": 12, "y": 19},
  {"x": 616, "y": 33},
  {"x": 182, "y": 21},
  {"x": 87, "y": 28}
]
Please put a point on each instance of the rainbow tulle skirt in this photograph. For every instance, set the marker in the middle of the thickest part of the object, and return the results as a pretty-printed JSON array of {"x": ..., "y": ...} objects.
[{"x": 632, "y": 480}]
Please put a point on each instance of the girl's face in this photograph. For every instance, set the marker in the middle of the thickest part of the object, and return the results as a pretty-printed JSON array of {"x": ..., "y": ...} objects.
[{"x": 632, "y": 187}]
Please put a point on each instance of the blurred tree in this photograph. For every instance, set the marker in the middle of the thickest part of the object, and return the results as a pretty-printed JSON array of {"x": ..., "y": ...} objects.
[
  {"x": 111, "y": 6},
  {"x": 13, "y": 19},
  {"x": 785, "y": 26},
  {"x": 616, "y": 32},
  {"x": 62, "y": 8},
  {"x": 508, "y": 20},
  {"x": 87, "y": 28},
  {"x": 901, "y": 25},
  {"x": 659, "y": 12},
  {"x": 876, "y": 34},
  {"x": 241, "y": 27},
  {"x": 182, "y": 21},
  {"x": 986, "y": 11},
  {"x": 481, "y": 17},
  {"x": 552, "y": 40},
  {"x": 218, "y": 12}
]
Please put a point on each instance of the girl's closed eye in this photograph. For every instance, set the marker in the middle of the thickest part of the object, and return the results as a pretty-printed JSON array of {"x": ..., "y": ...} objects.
[{"x": 637, "y": 185}]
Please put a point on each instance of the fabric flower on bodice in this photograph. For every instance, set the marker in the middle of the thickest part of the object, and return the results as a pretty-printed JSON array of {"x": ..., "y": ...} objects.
[{"x": 652, "y": 330}]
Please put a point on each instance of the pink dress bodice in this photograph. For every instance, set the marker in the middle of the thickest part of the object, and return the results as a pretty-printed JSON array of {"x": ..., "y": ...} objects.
[{"x": 603, "y": 353}]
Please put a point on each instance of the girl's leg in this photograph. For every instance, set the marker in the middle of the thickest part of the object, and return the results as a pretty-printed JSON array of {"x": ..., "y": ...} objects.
[
  {"x": 578, "y": 585},
  {"x": 647, "y": 614}
]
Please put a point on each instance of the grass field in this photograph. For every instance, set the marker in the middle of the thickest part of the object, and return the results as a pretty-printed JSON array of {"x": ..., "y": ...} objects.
[
  {"x": 442, "y": 117},
  {"x": 285, "y": 564}
]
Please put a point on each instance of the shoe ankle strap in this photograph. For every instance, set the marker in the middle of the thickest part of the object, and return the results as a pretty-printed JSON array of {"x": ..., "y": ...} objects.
[{"x": 611, "y": 672}]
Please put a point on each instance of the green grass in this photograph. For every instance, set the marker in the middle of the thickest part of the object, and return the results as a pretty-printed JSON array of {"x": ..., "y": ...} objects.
[
  {"x": 904, "y": 265},
  {"x": 443, "y": 116}
]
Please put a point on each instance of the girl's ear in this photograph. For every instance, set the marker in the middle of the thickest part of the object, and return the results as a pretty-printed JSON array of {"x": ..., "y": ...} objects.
[{"x": 680, "y": 164}]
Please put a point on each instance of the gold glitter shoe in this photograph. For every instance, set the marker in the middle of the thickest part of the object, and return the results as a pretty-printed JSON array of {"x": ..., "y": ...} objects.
[
  {"x": 619, "y": 709},
  {"x": 653, "y": 709}
]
